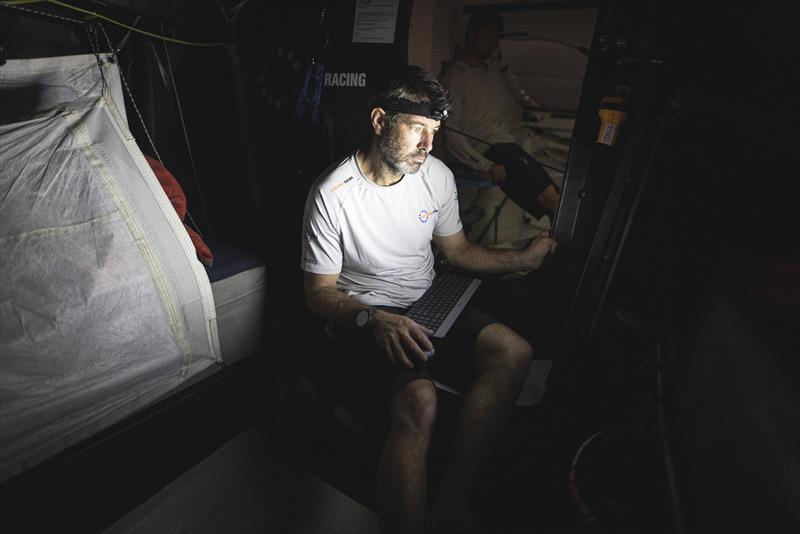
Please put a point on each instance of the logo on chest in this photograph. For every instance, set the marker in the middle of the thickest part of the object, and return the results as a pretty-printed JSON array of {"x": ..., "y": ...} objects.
[{"x": 424, "y": 215}]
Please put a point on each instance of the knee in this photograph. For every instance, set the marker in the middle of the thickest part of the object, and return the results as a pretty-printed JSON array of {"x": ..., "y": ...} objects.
[
  {"x": 518, "y": 356},
  {"x": 513, "y": 356},
  {"x": 414, "y": 408}
]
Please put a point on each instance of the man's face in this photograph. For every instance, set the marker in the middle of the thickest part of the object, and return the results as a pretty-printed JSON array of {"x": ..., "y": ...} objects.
[
  {"x": 484, "y": 41},
  {"x": 404, "y": 143}
]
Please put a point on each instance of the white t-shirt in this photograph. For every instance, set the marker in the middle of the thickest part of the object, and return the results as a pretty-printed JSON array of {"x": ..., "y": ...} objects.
[
  {"x": 378, "y": 237},
  {"x": 486, "y": 105}
]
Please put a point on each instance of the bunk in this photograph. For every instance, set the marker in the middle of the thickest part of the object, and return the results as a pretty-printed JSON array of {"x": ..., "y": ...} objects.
[{"x": 105, "y": 308}]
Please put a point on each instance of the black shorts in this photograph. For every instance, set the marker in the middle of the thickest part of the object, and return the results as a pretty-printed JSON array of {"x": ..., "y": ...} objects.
[
  {"x": 453, "y": 362},
  {"x": 526, "y": 178}
]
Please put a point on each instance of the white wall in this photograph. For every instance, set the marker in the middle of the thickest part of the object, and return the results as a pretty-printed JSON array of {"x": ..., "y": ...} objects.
[
  {"x": 436, "y": 25},
  {"x": 546, "y": 60}
]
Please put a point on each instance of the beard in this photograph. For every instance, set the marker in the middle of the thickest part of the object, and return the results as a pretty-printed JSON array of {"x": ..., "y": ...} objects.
[{"x": 391, "y": 151}]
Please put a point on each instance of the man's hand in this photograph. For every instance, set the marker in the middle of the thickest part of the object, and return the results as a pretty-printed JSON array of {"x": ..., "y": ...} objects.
[
  {"x": 539, "y": 248},
  {"x": 401, "y": 337},
  {"x": 498, "y": 173}
]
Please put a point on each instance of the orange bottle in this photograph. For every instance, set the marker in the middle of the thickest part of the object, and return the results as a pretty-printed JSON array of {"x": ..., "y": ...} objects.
[{"x": 612, "y": 115}]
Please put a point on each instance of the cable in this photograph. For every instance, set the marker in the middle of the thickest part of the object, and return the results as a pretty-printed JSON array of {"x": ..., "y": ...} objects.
[
  {"x": 586, "y": 513},
  {"x": 188, "y": 144},
  {"x": 144, "y": 125},
  {"x": 15, "y": 3},
  {"x": 526, "y": 36},
  {"x": 94, "y": 42},
  {"x": 459, "y": 132},
  {"x": 130, "y": 95},
  {"x": 234, "y": 10},
  {"x": 128, "y": 34},
  {"x": 95, "y": 49}
]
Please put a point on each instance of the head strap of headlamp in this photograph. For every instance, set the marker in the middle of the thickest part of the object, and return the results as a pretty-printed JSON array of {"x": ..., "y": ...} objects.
[{"x": 403, "y": 105}]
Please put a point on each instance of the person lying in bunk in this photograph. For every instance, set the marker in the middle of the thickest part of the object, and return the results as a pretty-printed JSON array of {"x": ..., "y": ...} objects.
[
  {"x": 366, "y": 254},
  {"x": 484, "y": 134}
]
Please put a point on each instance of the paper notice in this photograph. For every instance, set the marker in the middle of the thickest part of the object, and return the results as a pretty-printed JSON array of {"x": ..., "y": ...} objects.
[{"x": 375, "y": 21}]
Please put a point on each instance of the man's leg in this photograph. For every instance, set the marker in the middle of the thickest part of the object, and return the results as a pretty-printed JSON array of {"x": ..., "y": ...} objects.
[
  {"x": 503, "y": 360},
  {"x": 548, "y": 199},
  {"x": 403, "y": 466},
  {"x": 527, "y": 182}
]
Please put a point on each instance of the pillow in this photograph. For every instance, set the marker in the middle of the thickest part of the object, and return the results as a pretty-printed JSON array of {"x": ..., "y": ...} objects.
[{"x": 178, "y": 199}]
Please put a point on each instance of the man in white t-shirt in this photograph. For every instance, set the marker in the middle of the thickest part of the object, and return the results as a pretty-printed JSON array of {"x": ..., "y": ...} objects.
[
  {"x": 485, "y": 133},
  {"x": 366, "y": 251}
]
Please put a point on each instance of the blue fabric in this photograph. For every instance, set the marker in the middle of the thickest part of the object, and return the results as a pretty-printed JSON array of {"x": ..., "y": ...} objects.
[{"x": 229, "y": 260}]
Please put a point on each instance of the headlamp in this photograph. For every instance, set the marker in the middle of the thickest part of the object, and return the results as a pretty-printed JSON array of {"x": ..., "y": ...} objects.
[{"x": 403, "y": 105}]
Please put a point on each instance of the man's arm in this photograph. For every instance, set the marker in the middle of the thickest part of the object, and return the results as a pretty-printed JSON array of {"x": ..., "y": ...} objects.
[
  {"x": 511, "y": 80},
  {"x": 398, "y": 336},
  {"x": 466, "y": 255},
  {"x": 324, "y": 299},
  {"x": 516, "y": 88}
]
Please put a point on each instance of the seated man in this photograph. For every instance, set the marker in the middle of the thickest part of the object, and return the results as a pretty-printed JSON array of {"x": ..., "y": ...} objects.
[
  {"x": 484, "y": 131},
  {"x": 366, "y": 252}
]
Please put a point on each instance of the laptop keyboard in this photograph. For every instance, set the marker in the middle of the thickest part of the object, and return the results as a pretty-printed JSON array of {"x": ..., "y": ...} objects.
[{"x": 439, "y": 307}]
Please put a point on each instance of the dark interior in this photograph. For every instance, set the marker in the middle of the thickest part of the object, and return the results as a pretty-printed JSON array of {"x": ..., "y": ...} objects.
[{"x": 670, "y": 310}]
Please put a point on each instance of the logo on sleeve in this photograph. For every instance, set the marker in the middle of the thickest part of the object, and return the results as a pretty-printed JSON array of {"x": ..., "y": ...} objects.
[
  {"x": 340, "y": 184},
  {"x": 424, "y": 215}
]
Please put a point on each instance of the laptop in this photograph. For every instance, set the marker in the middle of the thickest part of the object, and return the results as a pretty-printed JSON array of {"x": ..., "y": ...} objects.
[{"x": 439, "y": 307}]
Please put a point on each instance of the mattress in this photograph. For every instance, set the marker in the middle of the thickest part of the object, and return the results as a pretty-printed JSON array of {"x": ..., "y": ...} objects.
[
  {"x": 239, "y": 284},
  {"x": 240, "y": 301}
]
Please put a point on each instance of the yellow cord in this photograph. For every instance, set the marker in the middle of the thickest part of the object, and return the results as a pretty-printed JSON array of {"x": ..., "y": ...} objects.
[{"x": 112, "y": 21}]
